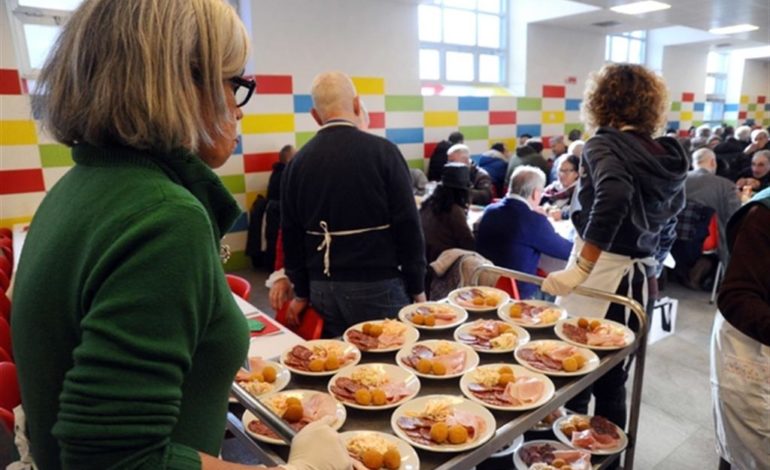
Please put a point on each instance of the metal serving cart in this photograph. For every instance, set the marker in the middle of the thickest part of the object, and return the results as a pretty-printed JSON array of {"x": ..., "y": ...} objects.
[{"x": 510, "y": 424}]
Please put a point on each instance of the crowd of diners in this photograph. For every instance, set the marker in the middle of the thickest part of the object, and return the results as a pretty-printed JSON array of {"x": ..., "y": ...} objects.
[{"x": 125, "y": 333}]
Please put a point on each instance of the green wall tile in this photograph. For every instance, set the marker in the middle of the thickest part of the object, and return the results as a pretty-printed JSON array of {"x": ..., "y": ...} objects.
[
  {"x": 403, "y": 103},
  {"x": 574, "y": 125},
  {"x": 697, "y": 123},
  {"x": 753, "y": 107},
  {"x": 676, "y": 106},
  {"x": 238, "y": 260},
  {"x": 301, "y": 138},
  {"x": 766, "y": 122},
  {"x": 55, "y": 155},
  {"x": 475, "y": 132},
  {"x": 529, "y": 104},
  {"x": 416, "y": 163},
  {"x": 236, "y": 184}
]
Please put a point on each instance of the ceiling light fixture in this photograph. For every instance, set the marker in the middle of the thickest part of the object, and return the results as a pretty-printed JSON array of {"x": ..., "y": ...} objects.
[
  {"x": 638, "y": 8},
  {"x": 735, "y": 29}
]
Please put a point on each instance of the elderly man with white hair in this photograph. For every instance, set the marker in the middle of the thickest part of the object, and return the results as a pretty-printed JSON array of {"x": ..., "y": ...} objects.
[
  {"x": 760, "y": 140},
  {"x": 733, "y": 161},
  {"x": 514, "y": 232},
  {"x": 352, "y": 240},
  {"x": 757, "y": 177},
  {"x": 480, "y": 182}
]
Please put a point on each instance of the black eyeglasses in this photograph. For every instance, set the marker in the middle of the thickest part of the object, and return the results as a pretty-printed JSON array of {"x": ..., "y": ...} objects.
[{"x": 243, "y": 88}]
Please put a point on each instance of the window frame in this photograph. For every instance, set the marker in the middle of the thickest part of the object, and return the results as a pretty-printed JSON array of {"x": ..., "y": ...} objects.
[
  {"x": 477, "y": 51},
  {"x": 715, "y": 99},
  {"x": 637, "y": 36}
]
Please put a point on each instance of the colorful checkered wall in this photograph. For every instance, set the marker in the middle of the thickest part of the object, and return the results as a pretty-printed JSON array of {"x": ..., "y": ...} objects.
[{"x": 749, "y": 107}]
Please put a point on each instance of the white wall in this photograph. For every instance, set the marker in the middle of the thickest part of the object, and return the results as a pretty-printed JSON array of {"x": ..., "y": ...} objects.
[
  {"x": 684, "y": 69},
  {"x": 756, "y": 78},
  {"x": 361, "y": 37},
  {"x": 7, "y": 52},
  {"x": 554, "y": 53}
]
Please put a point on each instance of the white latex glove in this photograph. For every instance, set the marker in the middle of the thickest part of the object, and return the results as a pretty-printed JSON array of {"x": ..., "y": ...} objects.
[
  {"x": 318, "y": 447},
  {"x": 563, "y": 282}
]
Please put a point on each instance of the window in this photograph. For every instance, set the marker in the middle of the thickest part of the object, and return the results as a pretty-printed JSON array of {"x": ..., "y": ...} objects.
[
  {"x": 462, "y": 41},
  {"x": 35, "y": 25},
  {"x": 716, "y": 87},
  {"x": 626, "y": 47}
]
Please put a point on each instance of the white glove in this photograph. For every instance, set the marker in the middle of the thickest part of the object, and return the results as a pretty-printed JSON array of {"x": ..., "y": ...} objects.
[
  {"x": 563, "y": 282},
  {"x": 318, "y": 447}
]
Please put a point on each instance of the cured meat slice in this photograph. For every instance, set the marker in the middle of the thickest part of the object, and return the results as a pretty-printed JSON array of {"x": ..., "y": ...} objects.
[
  {"x": 454, "y": 362},
  {"x": 301, "y": 352},
  {"x": 604, "y": 426},
  {"x": 575, "y": 333},
  {"x": 362, "y": 341},
  {"x": 525, "y": 390}
]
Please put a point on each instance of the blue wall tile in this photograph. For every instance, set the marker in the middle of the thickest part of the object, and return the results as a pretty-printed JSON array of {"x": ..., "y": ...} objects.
[
  {"x": 302, "y": 103},
  {"x": 405, "y": 136},
  {"x": 473, "y": 103}
]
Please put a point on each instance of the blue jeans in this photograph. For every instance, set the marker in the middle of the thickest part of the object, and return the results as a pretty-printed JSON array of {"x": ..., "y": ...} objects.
[{"x": 343, "y": 304}]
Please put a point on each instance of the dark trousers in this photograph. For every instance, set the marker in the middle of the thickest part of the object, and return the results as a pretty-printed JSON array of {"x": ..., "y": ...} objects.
[
  {"x": 343, "y": 304},
  {"x": 610, "y": 389}
]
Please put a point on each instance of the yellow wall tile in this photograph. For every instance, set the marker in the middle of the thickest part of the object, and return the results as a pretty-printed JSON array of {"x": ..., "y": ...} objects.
[
  {"x": 685, "y": 116},
  {"x": 440, "y": 118},
  {"x": 267, "y": 123},
  {"x": 553, "y": 117},
  {"x": 18, "y": 133},
  {"x": 369, "y": 85},
  {"x": 744, "y": 99}
]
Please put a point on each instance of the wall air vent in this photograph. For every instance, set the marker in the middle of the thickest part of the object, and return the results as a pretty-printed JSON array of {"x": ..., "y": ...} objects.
[{"x": 606, "y": 24}]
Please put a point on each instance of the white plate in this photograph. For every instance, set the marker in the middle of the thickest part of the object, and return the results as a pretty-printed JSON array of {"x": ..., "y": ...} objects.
[
  {"x": 409, "y": 458},
  {"x": 301, "y": 395},
  {"x": 471, "y": 357},
  {"x": 503, "y": 297},
  {"x": 504, "y": 313},
  {"x": 282, "y": 378},
  {"x": 410, "y": 336},
  {"x": 543, "y": 426},
  {"x": 395, "y": 374},
  {"x": 563, "y": 438},
  {"x": 405, "y": 312},
  {"x": 592, "y": 360},
  {"x": 518, "y": 371},
  {"x": 344, "y": 347},
  {"x": 460, "y": 403},
  {"x": 520, "y": 465},
  {"x": 629, "y": 335},
  {"x": 522, "y": 337}
]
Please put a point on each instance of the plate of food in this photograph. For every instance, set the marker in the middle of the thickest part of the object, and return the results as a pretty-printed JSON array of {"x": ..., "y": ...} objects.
[
  {"x": 298, "y": 408},
  {"x": 531, "y": 313},
  {"x": 263, "y": 377},
  {"x": 491, "y": 336},
  {"x": 506, "y": 387},
  {"x": 550, "y": 455},
  {"x": 546, "y": 424},
  {"x": 479, "y": 298},
  {"x": 381, "y": 335},
  {"x": 374, "y": 386},
  {"x": 433, "y": 315},
  {"x": 443, "y": 423},
  {"x": 377, "y": 450},
  {"x": 320, "y": 357},
  {"x": 556, "y": 358},
  {"x": 594, "y": 333},
  {"x": 438, "y": 359},
  {"x": 595, "y": 434}
]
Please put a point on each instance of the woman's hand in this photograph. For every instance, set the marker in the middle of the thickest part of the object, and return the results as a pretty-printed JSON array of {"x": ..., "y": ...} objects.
[
  {"x": 564, "y": 282},
  {"x": 294, "y": 312},
  {"x": 280, "y": 293},
  {"x": 318, "y": 447}
]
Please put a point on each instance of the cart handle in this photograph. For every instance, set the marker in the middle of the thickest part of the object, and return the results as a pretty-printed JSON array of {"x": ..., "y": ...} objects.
[{"x": 265, "y": 414}]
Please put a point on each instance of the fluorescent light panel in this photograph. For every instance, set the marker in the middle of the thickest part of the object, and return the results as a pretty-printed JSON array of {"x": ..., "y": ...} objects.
[
  {"x": 735, "y": 29},
  {"x": 638, "y": 8}
]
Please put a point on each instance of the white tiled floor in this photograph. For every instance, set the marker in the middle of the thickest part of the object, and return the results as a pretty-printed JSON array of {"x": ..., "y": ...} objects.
[{"x": 676, "y": 429}]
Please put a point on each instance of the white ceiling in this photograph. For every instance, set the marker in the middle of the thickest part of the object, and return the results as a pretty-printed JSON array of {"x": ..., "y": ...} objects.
[{"x": 700, "y": 15}]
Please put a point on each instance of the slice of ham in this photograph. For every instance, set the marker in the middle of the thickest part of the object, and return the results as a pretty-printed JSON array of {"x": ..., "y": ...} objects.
[
  {"x": 319, "y": 405},
  {"x": 390, "y": 341},
  {"x": 539, "y": 361},
  {"x": 590, "y": 439},
  {"x": 605, "y": 335},
  {"x": 396, "y": 391},
  {"x": 363, "y": 341},
  {"x": 561, "y": 352},
  {"x": 525, "y": 390},
  {"x": 575, "y": 333},
  {"x": 454, "y": 362},
  {"x": 473, "y": 423}
]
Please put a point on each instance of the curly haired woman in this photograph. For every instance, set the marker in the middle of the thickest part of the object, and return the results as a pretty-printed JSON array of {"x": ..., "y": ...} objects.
[{"x": 631, "y": 188}]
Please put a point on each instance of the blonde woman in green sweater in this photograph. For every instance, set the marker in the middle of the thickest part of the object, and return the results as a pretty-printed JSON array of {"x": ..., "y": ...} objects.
[{"x": 125, "y": 332}]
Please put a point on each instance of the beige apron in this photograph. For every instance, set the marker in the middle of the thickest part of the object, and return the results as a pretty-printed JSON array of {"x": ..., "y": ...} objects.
[
  {"x": 608, "y": 272},
  {"x": 740, "y": 389}
]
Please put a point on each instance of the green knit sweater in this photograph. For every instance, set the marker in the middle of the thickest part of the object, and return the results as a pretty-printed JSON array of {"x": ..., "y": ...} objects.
[{"x": 124, "y": 330}]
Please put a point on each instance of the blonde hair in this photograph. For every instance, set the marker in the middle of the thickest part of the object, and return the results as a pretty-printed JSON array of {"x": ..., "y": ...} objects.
[
  {"x": 142, "y": 73},
  {"x": 625, "y": 95}
]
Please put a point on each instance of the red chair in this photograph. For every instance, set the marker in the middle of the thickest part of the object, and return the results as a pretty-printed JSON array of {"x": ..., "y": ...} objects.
[
  {"x": 6, "y": 241},
  {"x": 240, "y": 286},
  {"x": 6, "y": 417},
  {"x": 5, "y": 307},
  {"x": 311, "y": 324},
  {"x": 7, "y": 251},
  {"x": 10, "y": 397},
  {"x": 5, "y": 337},
  {"x": 711, "y": 246},
  {"x": 5, "y": 356},
  {"x": 4, "y": 280},
  {"x": 508, "y": 285},
  {"x": 6, "y": 232},
  {"x": 5, "y": 265}
]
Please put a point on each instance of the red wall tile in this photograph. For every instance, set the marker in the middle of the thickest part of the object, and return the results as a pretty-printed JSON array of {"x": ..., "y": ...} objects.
[
  {"x": 256, "y": 162},
  {"x": 429, "y": 147},
  {"x": 688, "y": 96},
  {"x": 377, "y": 120},
  {"x": 9, "y": 82},
  {"x": 502, "y": 117},
  {"x": 546, "y": 142},
  {"x": 274, "y": 84},
  {"x": 553, "y": 91},
  {"x": 21, "y": 181},
  {"x": 742, "y": 115},
  {"x": 684, "y": 133},
  {"x": 761, "y": 99}
]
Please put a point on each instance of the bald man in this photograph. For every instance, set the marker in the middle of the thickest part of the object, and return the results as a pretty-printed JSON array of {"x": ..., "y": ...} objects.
[{"x": 353, "y": 244}]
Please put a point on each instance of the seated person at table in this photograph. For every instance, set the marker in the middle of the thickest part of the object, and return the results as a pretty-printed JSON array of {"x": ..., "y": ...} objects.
[
  {"x": 444, "y": 213},
  {"x": 758, "y": 176},
  {"x": 527, "y": 154},
  {"x": 495, "y": 162},
  {"x": 557, "y": 195},
  {"x": 481, "y": 183},
  {"x": 439, "y": 156},
  {"x": 513, "y": 232}
]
